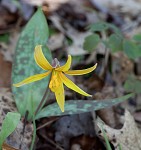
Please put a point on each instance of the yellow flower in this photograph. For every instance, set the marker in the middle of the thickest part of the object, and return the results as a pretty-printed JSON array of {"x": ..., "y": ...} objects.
[{"x": 57, "y": 76}]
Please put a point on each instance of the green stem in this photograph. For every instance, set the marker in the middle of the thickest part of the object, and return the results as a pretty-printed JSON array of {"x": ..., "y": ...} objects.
[
  {"x": 42, "y": 102},
  {"x": 34, "y": 134},
  {"x": 108, "y": 146}
]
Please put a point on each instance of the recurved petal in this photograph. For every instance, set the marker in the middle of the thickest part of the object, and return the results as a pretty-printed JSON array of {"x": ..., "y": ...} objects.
[
  {"x": 60, "y": 97},
  {"x": 71, "y": 85},
  {"x": 81, "y": 72},
  {"x": 65, "y": 67},
  {"x": 32, "y": 79},
  {"x": 40, "y": 58}
]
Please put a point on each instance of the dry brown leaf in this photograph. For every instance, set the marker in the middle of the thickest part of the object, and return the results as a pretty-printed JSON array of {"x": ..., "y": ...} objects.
[
  {"x": 74, "y": 126},
  {"x": 7, "y": 19},
  {"x": 5, "y": 72},
  {"x": 84, "y": 142},
  {"x": 137, "y": 116},
  {"x": 7, "y": 147},
  {"x": 108, "y": 115},
  {"x": 129, "y": 136},
  {"x": 122, "y": 66}
]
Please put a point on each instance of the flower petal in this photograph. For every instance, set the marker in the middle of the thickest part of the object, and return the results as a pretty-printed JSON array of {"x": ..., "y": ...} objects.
[
  {"x": 60, "y": 97},
  {"x": 32, "y": 79},
  {"x": 65, "y": 67},
  {"x": 80, "y": 72},
  {"x": 71, "y": 85},
  {"x": 40, "y": 58}
]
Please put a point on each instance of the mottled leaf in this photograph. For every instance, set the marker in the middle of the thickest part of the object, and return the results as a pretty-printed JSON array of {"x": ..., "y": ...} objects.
[
  {"x": 79, "y": 106},
  {"x": 91, "y": 42},
  {"x": 35, "y": 33},
  {"x": 9, "y": 125}
]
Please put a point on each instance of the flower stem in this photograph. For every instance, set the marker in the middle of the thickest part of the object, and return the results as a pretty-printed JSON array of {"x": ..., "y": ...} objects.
[
  {"x": 41, "y": 104},
  {"x": 34, "y": 134}
]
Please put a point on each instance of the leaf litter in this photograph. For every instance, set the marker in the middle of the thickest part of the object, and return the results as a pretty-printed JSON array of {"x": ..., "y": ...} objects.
[
  {"x": 70, "y": 38},
  {"x": 128, "y": 136}
]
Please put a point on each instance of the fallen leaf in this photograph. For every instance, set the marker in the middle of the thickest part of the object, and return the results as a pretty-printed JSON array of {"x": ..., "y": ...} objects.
[
  {"x": 5, "y": 72},
  {"x": 137, "y": 116},
  {"x": 128, "y": 136},
  {"x": 122, "y": 66},
  {"x": 74, "y": 126},
  {"x": 108, "y": 115},
  {"x": 84, "y": 142},
  {"x": 7, "y": 147}
]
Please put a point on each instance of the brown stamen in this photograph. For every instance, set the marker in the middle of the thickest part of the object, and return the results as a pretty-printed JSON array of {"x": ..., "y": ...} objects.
[{"x": 55, "y": 63}]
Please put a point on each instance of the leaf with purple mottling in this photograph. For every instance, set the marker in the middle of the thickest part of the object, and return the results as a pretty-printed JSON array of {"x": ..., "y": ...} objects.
[
  {"x": 80, "y": 106},
  {"x": 35, "y": 32}
]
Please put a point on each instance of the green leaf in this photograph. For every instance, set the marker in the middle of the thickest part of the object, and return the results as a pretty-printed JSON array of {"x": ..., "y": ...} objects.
[
  {"x": 100, "y": 125},
  {"x": 131, "y": 49},
  {"x": 9, "y": 125},
  {"x": 91, "y": 42},
  {"x": 80, "y": 106},
  {"x": 4, "y": 38},
  {"x": 132, "y": 84},
  {"x": 115, "y": 43},
  {"x": 120, "y": 147},
  {"x": 137, "y": 38},
  {"x": 100, "y": 26},
  {"x": 103, "y": 26},
  {"x": 35, "y": 33},
  {"x": 115, "y": 29}
]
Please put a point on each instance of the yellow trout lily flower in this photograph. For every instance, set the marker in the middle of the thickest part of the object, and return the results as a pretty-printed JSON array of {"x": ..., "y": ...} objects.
[{"x": 58, "y": 77}]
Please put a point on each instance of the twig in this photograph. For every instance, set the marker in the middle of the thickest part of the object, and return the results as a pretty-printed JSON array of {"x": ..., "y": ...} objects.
[
  {"x": 47, "y": 123},
  {"x": 52, "y": 142},
  {"x": 107, "y": 53}
]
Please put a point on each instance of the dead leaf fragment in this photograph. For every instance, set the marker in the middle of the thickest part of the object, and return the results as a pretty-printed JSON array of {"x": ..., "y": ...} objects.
[
  {"x": 84, "y": 142},
  {"x": 7, "y": 147},
  {"x": 5, "y": 72},
  {"x": 108, "y": 115},
  {"x": 122, "y": 66},
  {"x": 129, "y": 136},
  {"x": 69, "y": 127}
]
